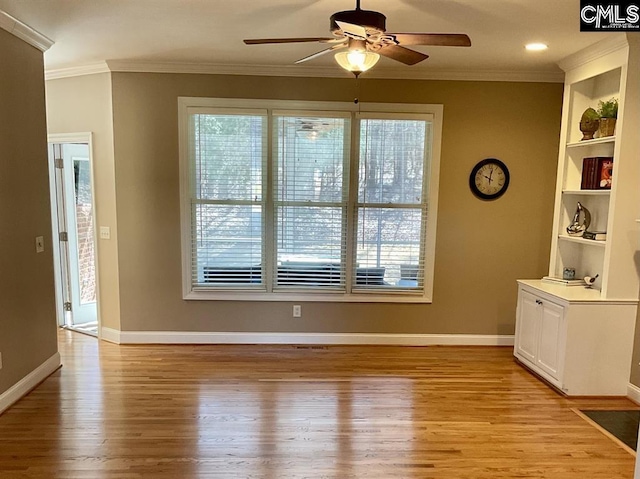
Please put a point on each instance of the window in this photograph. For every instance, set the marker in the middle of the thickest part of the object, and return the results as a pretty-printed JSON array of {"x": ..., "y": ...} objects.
[{"x": 308, "y": 200}]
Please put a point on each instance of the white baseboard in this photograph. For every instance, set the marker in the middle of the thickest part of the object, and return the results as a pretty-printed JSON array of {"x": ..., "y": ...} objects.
[
  {"x": 111, "y": 335},
  {"x": 30, "y": 381},
  {"x": 182, "y": 337},
  {"x": 633, "y": 393}
]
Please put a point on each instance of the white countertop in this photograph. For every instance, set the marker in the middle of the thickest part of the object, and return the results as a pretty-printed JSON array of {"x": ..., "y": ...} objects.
[{"x": 578, "y": 294}]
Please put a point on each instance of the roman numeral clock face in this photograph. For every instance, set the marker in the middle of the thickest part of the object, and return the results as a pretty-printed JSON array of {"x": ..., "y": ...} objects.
[{"x": 489, "y": 179}]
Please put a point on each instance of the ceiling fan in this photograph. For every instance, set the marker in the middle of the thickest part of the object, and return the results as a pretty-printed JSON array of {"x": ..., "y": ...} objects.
[{"x": 362, "y": 36}]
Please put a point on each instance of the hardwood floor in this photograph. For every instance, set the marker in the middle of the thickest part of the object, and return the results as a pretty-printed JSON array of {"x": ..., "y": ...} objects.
[{"x": 280, "y": 412}]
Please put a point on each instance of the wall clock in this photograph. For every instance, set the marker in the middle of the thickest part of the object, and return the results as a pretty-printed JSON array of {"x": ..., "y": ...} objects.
[{"x": 489, "y": 179}]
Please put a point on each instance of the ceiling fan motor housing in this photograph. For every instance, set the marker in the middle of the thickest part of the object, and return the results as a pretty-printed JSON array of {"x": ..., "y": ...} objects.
[{"x": 373, "y": 22}]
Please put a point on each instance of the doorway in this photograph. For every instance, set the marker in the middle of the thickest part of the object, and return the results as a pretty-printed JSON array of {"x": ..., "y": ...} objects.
[{"x": 74, "y": 238}]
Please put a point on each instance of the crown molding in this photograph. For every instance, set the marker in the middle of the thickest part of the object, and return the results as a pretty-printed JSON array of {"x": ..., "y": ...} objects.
[
  {"x": 128, "y": 66},
  {"x": 89, "y": 69},
  {"x": 331, "y": 72},
  {"x": 593, "y": 52},
  {"x": 24, "y": 32}
]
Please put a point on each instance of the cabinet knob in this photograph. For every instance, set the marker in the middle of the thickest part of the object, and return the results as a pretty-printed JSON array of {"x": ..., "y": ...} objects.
[{"x": 538, "y": 301}]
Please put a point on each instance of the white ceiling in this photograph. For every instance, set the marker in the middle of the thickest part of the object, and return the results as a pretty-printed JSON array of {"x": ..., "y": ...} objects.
[{"x": 211, "y": 31}]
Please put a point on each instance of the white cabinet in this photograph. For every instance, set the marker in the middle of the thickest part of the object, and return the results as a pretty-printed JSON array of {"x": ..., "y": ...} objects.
[
  {"x": 540, "y": 336},
  {"x": 551, "y": 345},
  {"x": 580, "y": 340},
  {"x": 527, "y": 324},
  {"x": 575, "y": 340}
]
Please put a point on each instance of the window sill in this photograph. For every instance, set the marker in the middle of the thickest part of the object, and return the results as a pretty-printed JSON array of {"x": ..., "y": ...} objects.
[{"x": 368, "y": 297}]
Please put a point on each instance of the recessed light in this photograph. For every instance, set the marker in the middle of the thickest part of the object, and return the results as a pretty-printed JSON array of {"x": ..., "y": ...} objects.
[{"x": 536, "y": 47}]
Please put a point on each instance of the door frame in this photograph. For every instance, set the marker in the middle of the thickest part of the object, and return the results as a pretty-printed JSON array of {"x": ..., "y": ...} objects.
[{"x": 87, "y": 138}]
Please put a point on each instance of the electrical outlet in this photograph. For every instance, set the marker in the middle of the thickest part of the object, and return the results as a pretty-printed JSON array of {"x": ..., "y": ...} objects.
[
  {"x": 39, "y": 244},
  {"x": 105, "y": 232},
  {"x": 297, "y": 311}
]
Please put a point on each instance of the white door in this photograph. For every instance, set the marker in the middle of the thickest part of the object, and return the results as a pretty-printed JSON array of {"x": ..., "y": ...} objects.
[
  {"x": 72, "y": 203},
  {"x": 551, "y": 348},
  {"x": 527, "y": 327}
]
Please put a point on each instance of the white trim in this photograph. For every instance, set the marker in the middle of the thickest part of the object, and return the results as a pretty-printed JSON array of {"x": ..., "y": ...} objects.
[
  {"x": 24, "y": 32},
  {"x": 185, "y": 192},
  {"x": 110, "y": 335},
  {"x": 405, "y": 73},
  {"x": 182, "y": 337},
  {"x": 80, "y": 137},
  {"x": 89, "y": 69},
  {"x": 372, "y": 296},
  {"x": 126, "y": 66},
  {"x": 593, "y": 52},
  {"x": 53, "y": 199},
  {"x": 633, "y": 393},
  {"x": 310, "y": 106},
  {"x": 30, "y": 381}
]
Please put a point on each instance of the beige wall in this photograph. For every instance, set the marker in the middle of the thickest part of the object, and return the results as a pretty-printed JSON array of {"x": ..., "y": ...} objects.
[
  {"x": 632, "y": 117},
  {"x": 83, "y": 104},
  {"x": 27, "y": 303},
  {"x": 481, "y": 249}
]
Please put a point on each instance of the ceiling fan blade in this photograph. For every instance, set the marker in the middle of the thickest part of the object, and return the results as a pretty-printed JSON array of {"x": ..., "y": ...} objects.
[
  {"x": 262, "y": 41},
  {"x": 353, "y": 31},
  {"x": 321, "y": 52},
  {"x": 401, "y": 54},
  {"x": 433, "y": 39}
]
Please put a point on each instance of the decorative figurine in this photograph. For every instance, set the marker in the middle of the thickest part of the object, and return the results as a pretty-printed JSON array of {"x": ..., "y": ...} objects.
[
  {"x": 577, "y": 227},
  {"x": 589, "y": 124},
  {"x": 590, "y": 280},
  {"x": 569, "y": 274}
]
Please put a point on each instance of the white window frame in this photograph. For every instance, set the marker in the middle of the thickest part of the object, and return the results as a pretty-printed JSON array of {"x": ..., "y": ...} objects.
[{"x": 189, "y": 105}]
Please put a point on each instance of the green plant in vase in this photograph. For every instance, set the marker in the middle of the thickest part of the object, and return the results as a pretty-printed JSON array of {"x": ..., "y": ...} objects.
[{"x": 608, "y": 111}]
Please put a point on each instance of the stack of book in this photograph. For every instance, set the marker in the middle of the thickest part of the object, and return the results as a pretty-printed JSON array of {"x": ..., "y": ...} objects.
[
  {"x": 566, "y": 282},
  {"x": 595, "y": 235},
  {"x": 597, "y": 173}
]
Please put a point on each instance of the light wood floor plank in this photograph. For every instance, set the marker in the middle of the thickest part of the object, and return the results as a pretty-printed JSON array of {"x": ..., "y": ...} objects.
[{"x": 197, "y": 411}]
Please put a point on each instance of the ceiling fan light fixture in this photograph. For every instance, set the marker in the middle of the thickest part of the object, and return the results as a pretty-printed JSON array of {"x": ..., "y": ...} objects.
[{"x": 357, "y": 61}]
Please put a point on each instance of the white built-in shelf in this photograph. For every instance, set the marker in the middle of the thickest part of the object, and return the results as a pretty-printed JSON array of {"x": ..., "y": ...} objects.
[
  {"x": 587, "y": 192},
  {"x": 595, "y": 141},
  {"x": 580, "y": 240}
]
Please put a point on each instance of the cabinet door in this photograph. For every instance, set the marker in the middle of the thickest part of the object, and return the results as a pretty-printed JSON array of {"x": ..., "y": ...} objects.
[
  {"x": 527, "y": 327},
  {"x": 552, "y": 335}
]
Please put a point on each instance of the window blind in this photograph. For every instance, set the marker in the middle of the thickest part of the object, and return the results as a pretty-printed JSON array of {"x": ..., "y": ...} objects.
[
  {"x": 311, "y": 184},
  {"x": 228, "y": 158},
  {"x": 392, "y": 206}
]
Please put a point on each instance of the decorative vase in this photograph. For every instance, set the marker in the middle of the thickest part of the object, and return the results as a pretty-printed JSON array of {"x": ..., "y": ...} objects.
[
  {"x": 578, "y": 226},
  {"x": 607, "y": 126},
  {"x": 589, "y": 124}
]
